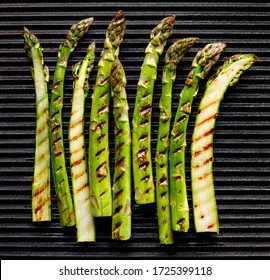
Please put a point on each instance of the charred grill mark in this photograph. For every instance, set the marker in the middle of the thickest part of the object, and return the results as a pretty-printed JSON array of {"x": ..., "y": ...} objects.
[
  {"x": 58, "y": 154},
  {"x": 62, "y": 182},
  {"x": 77, "y": 136},
  {"x": 118, "y": 178},
  {"x": 144, "y": 122},
  {"x": 163, "y": 209},
  {"x": 101, "y": 137},
  {"x": 144, "y": 165},
  {"x": 163, "y": 194},
  {"x": 77, "y": 176},
  {"x": 210, "y": 226},
  {"x": 100, "y": 125},
  {"x": 162, "y": 166},
  {"x": 204, "y": 149},
  {"x": 145, "y": 179},
  {"x": 141, "y": 155},
  {"x": 117, "y": 225},
  {"x": 164, "y": 137},
  {"x": 202, "y": 216},
  {"x": 77, "y": 162},
  {"x": 104, "y": 94},
  {"x": 207, "y": 106},
  {"x": 143, "y": 137},
  {"x": 59, "y": 169},
  {"x": 163, "y": 153},
  {"x": 178, "y": 150},
  {"x": 146, "y": 110},
  {"x": 118, "y": 133},
  {"x": 178, "y": 177},
  {"x": 41, "y": 142},
  {"x": 148, "y": 190},
  {"x": 41, "y": 157},
  {"x": 118, "y": 193},
  {"x": 77, "y": 151},
  {"x": 209, "y": 132},
  {"x": 101, "y": 170},
  {"x": 178, "y": 165},
  {"x": 42, "y": 129},
  {"x": 207, "y": 120},
  {"x": 40, "y": 175},
  {"x": 181, "y": 119},
  {"x": 120, "y": 163},
  {"x": 204, "y": 163},
  {"x": 98, "y": 153},
  {"x": 55, "y": 129},
  {"x": 117, "y": 209},
  {"x": 55, "y": 115},
  {"x": 119, "y": 147},
  {"x": 57, "y": 99},
  {"x": 103, "y": 109},
  {"x": 146, "y": 95},
  {"x": 180, "y": 222},
  {"x": 163, "y": 180},
  {"x": 41, "y": 189},
  {"x": 57, "y": 141},
  {"x": 76, "y": 124},
  {"x": 178, "y": 136},
  {"x": 186, "y": 107},
  {"x": 83, "y": 187},
  {"x": 102, "y": 193},
  {"x": 41, "y": 205},
  {"x": 204, "y": 176}
]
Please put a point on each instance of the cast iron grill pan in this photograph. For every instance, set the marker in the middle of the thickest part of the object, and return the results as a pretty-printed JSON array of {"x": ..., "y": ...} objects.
[{"x": 241, "y": 140}]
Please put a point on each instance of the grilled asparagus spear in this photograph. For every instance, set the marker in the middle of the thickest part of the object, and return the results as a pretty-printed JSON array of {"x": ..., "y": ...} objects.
[
  {"x": 99, "y": 170},
  {"x": 79, "y": 175},
  {"x": 64, "y": 200},
  {"x": 41, "y": 196},
  {"x": 121, "y": 219},
  {"x": 141, "y": 135},
  {"x": 172, "y": 58},
  {"x": 204, "y": 202},
  {"x": 201, "y": 65}
]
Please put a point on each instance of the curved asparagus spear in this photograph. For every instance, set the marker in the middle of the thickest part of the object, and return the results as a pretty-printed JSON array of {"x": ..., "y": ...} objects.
[
  {"x": 41, "y": 196},
  {"x": 79, "y": 175},
  {"x": 99, "y": 170},
  {"x": 173, "y": 57},
  {"x": 204, "y": 203},
  {"x": 141, "y": 135},
  {"x": 121, "y": 219},
  {"x": 59, "y": 172},
  {"x": 201, "y": 65}
]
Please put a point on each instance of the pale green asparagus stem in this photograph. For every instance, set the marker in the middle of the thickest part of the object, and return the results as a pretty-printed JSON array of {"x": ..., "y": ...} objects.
[
  {"x": 173, "y": 57},
  {"x": 203, "y": 194},
  {"x": 79, "y": 175},
  {"x": 60, "y": 177},
  {"x": 141, "y": 135},
  {"x": 121, "y": 219},
  {"x": 41, "y": 196},
  {"x": 99, "y": 169},
  {"x": 201, "y": 65}
]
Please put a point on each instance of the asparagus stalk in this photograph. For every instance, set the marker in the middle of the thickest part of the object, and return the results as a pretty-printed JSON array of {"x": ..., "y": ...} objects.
[
  {"x": 41, "y": 196},
  {"x": 204, "y": 202},
  {"x": 201, "y": 65},
  {"x": 141, "y": 135},
  {"x": 79, "y": 175},
  {"x": 174, "y": 55},
  {"x": 64, "y": 200},
  {"x": 121, "y": 219},
  {"x": 99, "y": 169}
]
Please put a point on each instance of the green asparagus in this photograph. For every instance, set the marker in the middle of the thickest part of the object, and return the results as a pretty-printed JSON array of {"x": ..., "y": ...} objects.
[
  {"x": 64, "y": 200},
  {"x": 173, "y": 57},
  {"x": 99, "y": 169},
  {"x": 203, "y": 193},
  {"x": 121, "y": 219},
  {"x": 201, "y": 65},
  {"x": 79, "y": 175},
  {"x": 41, "y": 195},
  {"x": 141, "y": 135}
]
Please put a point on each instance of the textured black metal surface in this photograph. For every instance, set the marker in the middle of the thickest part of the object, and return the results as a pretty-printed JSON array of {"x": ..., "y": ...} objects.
[{"x": 241, "y": 141}]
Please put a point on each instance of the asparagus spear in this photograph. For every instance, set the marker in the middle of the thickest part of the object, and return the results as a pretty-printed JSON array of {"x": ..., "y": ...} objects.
[
  {"x": 59, "y": 172},
  {"x": 141, "y": 135},
  {"x": 99, "y": 170},
  {"x": 172, "y": 58},
  {"x": 41, "y": 196},
  {"x": 204, "y": 202},
  {"x": 201, "y": 65},
  {"x": 79, "y": 176},
  {"x": 121, "y": 219}
]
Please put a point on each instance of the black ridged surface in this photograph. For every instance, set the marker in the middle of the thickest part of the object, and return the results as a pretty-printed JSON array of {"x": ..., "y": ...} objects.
[{"x": 241, "y": 141}]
